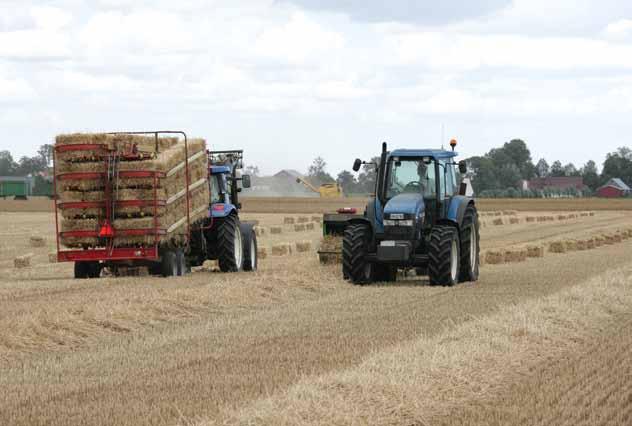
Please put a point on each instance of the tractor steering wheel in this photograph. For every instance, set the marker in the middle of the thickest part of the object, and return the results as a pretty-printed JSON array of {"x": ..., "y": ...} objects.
[{"x": 413, "y": 186}]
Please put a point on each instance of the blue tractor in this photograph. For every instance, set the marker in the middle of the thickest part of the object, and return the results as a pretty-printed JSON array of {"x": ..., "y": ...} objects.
[
  {"x": 419, "y": 219},
  {"x": 223, "y": 236}
]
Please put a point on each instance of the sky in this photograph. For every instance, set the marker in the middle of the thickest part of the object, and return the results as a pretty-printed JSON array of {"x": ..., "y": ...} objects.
[{"x": 289, "y": 80}]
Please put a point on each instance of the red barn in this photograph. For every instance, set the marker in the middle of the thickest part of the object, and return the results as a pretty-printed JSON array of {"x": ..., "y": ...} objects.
[{"x": 614, "y": 188}]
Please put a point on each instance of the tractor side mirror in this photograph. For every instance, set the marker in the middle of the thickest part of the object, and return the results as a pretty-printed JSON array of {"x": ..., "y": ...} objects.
[
  {"x": 357, "y": 164},
  {"x": 245, "y": 181},
  {"x": 462, "y": 167}
]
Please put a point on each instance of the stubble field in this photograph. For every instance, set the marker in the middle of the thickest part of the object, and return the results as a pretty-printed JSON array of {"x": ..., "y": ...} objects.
[{"x": 542, "y": 341}]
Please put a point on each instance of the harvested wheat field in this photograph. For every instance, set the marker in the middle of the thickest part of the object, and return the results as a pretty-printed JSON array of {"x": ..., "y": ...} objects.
[{"x": 542, "y": 340}]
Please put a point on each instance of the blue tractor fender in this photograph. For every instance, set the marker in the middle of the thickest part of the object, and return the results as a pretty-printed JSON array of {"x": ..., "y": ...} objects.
[
  {"x": 456, "y": 211},
  {"x": 220, "y": 210},
  {"x": 373, "y": 216}
]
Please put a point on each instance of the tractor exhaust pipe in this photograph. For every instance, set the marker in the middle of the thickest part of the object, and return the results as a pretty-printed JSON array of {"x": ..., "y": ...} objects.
[{"x": 384, "y": 147}]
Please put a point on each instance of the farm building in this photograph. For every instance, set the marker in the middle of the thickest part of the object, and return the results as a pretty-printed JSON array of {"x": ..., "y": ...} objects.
[
  {"x": 562, "y": 182},
  {"x": 614, "y": 188},
  {"x": 16, "y": 187}
]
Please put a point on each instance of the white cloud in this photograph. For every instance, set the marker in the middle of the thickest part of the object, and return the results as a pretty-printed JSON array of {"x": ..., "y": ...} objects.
[{"x": 621, "y": 29}]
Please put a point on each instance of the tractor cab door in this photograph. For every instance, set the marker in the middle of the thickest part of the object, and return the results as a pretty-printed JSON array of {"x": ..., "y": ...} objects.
[{"x": 447, "y": 187}]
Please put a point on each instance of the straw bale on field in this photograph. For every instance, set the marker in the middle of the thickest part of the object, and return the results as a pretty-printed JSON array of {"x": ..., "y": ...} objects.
[
  {"x": 582, "y": 245},
  {"x": 584, "y": 214},
  {"x": 599, "y": 241},
  {"x": 288, "y": 221},
  {"x": 541, "y": 218},
  {"x": 303, "y": 219},
  {"x": 514, "y": 220},
  {"x": 276, "y": 230},
  {"x": 22, "y": 261},
  {"x": 617, "y": 238},
  {"x": 494, "y": 257},
  {"x": 608, "y": 239},
  {"x": 571, "y": 245},
  {"x": 530, "y": 219},
  {"x": 299, "y": 227},
  {"x": 37, "y": 241},
  {"x": 562, "y": 217},
  {"x": 550, "y": 218},
  {"x": 330, "y": 250},
  {"x": 52, "y": 257},
  {"x": 510, "y": 212},
  {"x": 515, "y": 255},
  {"x": 310, "y": 226},
  {"x": 557, "y": 247},
  {"x": 498, "y": 213},
  {"x": 590, "y": 244},
  {"x": 535, "y": 251},
  {"x": 260, "y": 231},
  {"x": 262, "y": 252},
  {"x": 282, "y": 249},
  {"x": 303, "y": 246},
  {"x": 317, "y": 219},
  {"x": 498, "y": 221},
  {"x": 591, "y": 214}
]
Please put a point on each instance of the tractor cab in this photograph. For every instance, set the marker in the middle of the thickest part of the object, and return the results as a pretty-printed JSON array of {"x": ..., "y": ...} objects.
[{"x": 226, "y": 181}]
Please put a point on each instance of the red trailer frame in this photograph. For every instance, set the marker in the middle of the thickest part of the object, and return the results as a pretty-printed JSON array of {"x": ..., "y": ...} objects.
[{"x": 110, "y": 253}]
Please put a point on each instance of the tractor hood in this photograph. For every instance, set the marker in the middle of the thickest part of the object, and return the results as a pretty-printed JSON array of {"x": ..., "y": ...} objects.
[{"x": 409, "y": 204}]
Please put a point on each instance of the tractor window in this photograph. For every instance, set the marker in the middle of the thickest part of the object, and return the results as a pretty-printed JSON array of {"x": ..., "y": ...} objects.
[
  {"x": 216, "y": 195},
  {"x": 450, "y": 180},
  {"x": 411, "y": 176}
]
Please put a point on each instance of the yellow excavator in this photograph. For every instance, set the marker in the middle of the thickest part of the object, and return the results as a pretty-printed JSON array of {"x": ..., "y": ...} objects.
[{"x": 327, "y": 190}]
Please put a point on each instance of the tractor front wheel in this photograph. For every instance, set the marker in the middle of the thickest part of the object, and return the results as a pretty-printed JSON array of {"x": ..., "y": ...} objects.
[
  {"x": 249, "y": 237},
  {"x": 470, "y": 246},
  {"x": 444, "y": 259},
  {"x": 355, "y": 245}
]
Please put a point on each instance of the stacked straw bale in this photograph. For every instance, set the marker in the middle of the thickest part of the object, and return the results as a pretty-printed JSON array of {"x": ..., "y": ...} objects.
[
  {"x": 168, "y": 157},
  {"x": 303, "y": 246},
  {"x": 37, "y": 241},
  {"x": 557, "y": 247},
  {"x": 310, "y": 226},
  {"x": 514, "y": 220},
  {"x": 494, "y": 257},
  {"x": 22, "y": 261},
  {"x": 276, "y": 230},
  {"x": 282, "y": 249},
  {"x": 288, "y": 221},
  {"x": 262, "y": 252},
  {"x": 330, "y": 250},
  {"x": 260, "y": 231},
  {"x": 535, "y": 251},
  {"x": 498, "y": 222},
  {"x": 299, "y": 227}
]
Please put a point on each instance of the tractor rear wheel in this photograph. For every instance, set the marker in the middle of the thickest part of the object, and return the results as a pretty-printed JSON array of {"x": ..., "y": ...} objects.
[
  {"x": 355, "y": 245},
  {"x": 250, "y": 247},
  {"x": 230, "y": 244},
  {"x": 181, "y": 262},
  {"x": 470, "y": 246},
  {"x": 169, "y": 264},
  {"x": 443, "y": 254}
]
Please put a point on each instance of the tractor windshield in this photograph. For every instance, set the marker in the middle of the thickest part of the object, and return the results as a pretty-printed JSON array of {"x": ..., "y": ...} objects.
[{"x": 411, "y": 175}]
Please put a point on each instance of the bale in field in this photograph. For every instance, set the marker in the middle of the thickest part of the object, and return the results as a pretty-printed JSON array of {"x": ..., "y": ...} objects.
[
  {"x": 608, "y": 239},
  {"x": 498, "y": 213},
  {"x": 584, "y": 214},
  {"x": 617, "y": 238},
  {"x": 514, "y": 220},
  {"x": 581, "y": 245},
  {"x": 590, "y": 244},
  {"x": 316, "y": 219},
  {"x": 530, "y": 219},
  {"x": 260, "y": 231},
  {"x": 511, "y": 256},
  {"x": 535, "y": 251},
  {"x": 510, "y": 212},
  {"x": 498, "y": 222},
  {"x": 571, "y": 245},
  {"x": 276, "y": 230},
  {"x": 299, "y": 227},
  {"x": 283, "y": 249},
  {"x": 262, "y": 252},
  {"x": 330, "y": 250},
  {"x": 541, "y": 218},
  {"x": 310, "y": 226},
  {"x": 288, "y": 221},
  {"x": 37, "y": 241},
  {"x": 303, "y": 219},
  {"x": 303, "y": 246},
  {"x": 557, "y": 247},
  {"x": 550, "y": 218},
  {"x": 561, "y": 217},
  {"x": 22, "y": 261},
  {"x": 591, "y": 214},
  {"x": 52, "y": 257},
  {"x": 599, "y": 241},
  {"x": 493, "y": 257}
]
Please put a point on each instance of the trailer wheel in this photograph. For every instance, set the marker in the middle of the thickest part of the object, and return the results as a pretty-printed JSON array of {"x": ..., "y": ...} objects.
[
  {"x": 181, "y": 262},
  {"x": 250, "y": 247},
  {"x": 444, "y": 260},
  {"x": 85, "y": 270},
  {"x": 169, "y": 264},
  {"x": 230, "y": 244}
]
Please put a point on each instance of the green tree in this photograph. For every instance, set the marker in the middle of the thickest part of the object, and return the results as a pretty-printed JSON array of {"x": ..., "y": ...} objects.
[
  {"x": 618, "y": 164},
  {"x": 368, "y": 176},
  {"x": 571, "y": 170},
  {"x": 45, "y": 152},
  {"x": 542, "y": 168},
  {"x": 317, "y": 172},
  {"x": 347, "y": 182},
  {"x": 7, "y": 165},
  {"x": 590, "y": 175},
  {"x": 556, "y": 169}
]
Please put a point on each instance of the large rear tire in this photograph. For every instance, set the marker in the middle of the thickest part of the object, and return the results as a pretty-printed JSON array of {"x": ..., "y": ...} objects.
[
  {"x": 444, "y": 260},
  {"x": 230, "y": 244},
  {"x": 169, "y": 264},
  {"x": 470, "y": 246},
  {"x": 250, "y": 247},
  {"x": 88, "y": 269},
  {"x": 355, "y": 246},
  {"x": 181, "y": 262}
]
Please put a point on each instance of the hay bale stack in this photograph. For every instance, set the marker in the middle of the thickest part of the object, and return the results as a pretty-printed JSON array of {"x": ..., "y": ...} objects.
[
  {"x": 303, "y": 219},
  {"x": 52, "y": 257},
  {"x": 494, "y": 257},
  {"x": 550, "y": 218},
  {"x": 572, "y": 216},
  {"x": 511, "y": 256},
  {"x": 22, "y": 261},
  {"x": 262, "y": 252},
  {"x": 510, "y": 212},
  {"x": 166, "y": 155},
  {"x": 617, "y": 238},
  {"x": 514, "y": 220},
  {"x": 590, "y": 244},
  {"x": 303, "y": 246},
  {"x": 584, "y": 214},
  {"x": 310, "y": 226},
  {"x": 276, "y": 230},
  {"x": 330, "y": 250},
  {"x": 260, "y": 231},
  {"x": 317, "y": 219},
  {"x": 535, "y": 251},
  {"x": 624, "y": 234},
  {"x": 530, "y": 219},
  {"x": 591, "y": 214},
  {"x": 498, "y": 222},
  {"x": 299, "y": 227},
  {"x": 599, "y": 241},
  {"x": 37, "y": 241},
  {"x": 571, "y": 245},
  {"x": 288, "y": 221},
  {"x": 541, "y": 218},
  {"x": 608, "y": 239},
  {"x": 498, "y": 213},
  {"x": 282, "y": 249},
  {"x": 582, "y": 245},
  {"x": 561, "y": 217},
  {"x": 557, "y": 247}
]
